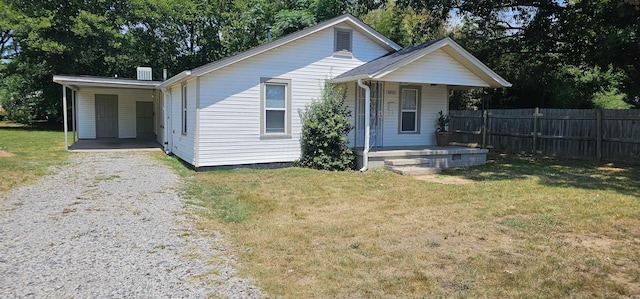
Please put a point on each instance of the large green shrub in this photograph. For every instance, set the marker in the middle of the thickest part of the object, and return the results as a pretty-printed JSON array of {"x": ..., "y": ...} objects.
[{"x": 325, "y": 125}]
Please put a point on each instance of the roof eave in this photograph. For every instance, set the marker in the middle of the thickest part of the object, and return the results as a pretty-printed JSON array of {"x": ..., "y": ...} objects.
[
  {"x": 350, "y": 78},
  {"x": 404, "y": 61},
  {"x": 499, "y": 81},
  {"x": 502, "y": 83},
  {"x": 175, "y": 79},
  {"x": 103, "y": 82},
  {"x": 382, "y": 40}
]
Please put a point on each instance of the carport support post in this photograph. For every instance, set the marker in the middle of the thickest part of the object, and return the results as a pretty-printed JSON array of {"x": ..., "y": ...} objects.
[
  {"x": 73, "y": 114},
  {"x": 64, "y": 116}
]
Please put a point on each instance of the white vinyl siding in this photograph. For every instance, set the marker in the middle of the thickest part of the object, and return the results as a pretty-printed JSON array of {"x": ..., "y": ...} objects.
[
  {"x": 432, "y": 100},
  {"x": 230, "y": 98},
  {"x": 127, "y": 99},
  {"x": 440, "y": 69},
  {"x": 275, "y": 107},
  {"x": 182, "y": 145}
]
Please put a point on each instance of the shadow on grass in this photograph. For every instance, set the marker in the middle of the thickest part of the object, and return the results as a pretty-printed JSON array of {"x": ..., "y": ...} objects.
[
  {"x": 557, "y": 172},
  {"x": 36, "y": 126}
]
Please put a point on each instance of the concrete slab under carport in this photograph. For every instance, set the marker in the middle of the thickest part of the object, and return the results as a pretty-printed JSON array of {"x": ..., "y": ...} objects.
[{"x": 115, "y": 144}]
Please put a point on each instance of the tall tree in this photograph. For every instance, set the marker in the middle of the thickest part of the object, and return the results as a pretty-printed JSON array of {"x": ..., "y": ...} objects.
[
  {"x": 405, "y": 25},
  {"x": 539, "y": 45}
]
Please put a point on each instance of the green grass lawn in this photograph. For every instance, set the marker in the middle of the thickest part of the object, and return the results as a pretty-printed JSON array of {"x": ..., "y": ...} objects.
[
  {"x": 516, "y": 227},
  {"x": 27, "y": 152}
]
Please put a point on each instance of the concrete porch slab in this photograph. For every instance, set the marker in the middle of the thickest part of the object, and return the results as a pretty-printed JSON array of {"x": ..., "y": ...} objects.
[
  {"x": 115, "y": 144},
  {"x": 431, "y": 156}
]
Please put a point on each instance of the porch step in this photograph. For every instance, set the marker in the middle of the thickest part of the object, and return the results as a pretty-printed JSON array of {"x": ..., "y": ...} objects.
[
  {"x": 414, "y": 169},
  {"x": 407, "y": 162}
]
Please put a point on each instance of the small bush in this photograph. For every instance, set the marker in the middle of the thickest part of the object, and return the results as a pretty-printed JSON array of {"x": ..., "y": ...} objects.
[{"x": 325, "y": 125}]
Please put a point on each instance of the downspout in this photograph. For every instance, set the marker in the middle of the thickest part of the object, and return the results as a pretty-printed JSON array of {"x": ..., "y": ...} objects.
[
  {"x": 367, "y": 125},
  {"x": 166, "y": 115}
]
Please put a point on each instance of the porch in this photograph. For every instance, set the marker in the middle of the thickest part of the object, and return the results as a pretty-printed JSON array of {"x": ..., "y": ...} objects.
[{"x": 416, "y": 160}]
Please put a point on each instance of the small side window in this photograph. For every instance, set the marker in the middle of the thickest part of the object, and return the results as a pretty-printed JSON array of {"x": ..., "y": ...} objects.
[
  {"x": 343, "y": 41},
  {"x": 275, "y": 108}
]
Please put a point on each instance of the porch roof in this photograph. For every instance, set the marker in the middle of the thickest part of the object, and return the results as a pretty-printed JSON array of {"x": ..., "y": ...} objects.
[
  {"x": 385, "y": 65},
  {"x": 76, "y": 82}
]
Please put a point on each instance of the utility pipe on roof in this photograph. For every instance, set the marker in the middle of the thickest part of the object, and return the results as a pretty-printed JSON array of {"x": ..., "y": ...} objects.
[{"x": 367, "y": 125}]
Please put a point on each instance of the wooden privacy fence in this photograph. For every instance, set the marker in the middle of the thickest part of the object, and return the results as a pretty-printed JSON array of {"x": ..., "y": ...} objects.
[{"x": 612, "y": 135}]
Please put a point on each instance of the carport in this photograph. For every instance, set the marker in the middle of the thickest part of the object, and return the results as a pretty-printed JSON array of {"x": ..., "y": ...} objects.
[{"x": 111, "y": 113}]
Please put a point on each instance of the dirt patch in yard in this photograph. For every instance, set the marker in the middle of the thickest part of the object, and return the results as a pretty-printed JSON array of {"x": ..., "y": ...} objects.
[
  {"x": 444, "y": 179},
  {"x": 593, "y": 241},
  {"x": 5, "y": 154}
]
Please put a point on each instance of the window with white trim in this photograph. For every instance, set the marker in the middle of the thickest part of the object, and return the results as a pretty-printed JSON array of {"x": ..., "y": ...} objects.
[
  {"x": 409, "y": 110},
  {"x": 184, "y": 109},
  {"x": 276, "y": 107}
]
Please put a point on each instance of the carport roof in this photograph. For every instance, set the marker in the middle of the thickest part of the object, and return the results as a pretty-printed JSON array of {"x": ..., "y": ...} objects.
[{"x": 77, "y": 82}]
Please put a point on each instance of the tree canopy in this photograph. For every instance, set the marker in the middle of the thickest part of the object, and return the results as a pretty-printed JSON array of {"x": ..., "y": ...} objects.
[{"x": 557, "y": 53}]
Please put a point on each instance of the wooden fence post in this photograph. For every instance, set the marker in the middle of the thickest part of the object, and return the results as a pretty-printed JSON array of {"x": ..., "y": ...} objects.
[
  {"x": 599, "y": 134},
  {"x": 536, "y": 113},
  {"x": 484, "y": 128}
]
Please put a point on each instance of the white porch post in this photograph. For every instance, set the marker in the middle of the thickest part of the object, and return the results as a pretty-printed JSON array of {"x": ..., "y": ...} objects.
[
  {"x": 73, "y": 114},
  {"x": 64, "y": 116}
]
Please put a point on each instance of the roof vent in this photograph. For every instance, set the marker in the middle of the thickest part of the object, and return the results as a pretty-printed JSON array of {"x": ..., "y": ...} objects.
[{"x": 144, "y": 73}]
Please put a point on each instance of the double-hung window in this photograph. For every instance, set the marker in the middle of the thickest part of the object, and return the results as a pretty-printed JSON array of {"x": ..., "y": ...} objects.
[
  {"x": 276, "y": 107},
  {"x": 410, "y": 110}
]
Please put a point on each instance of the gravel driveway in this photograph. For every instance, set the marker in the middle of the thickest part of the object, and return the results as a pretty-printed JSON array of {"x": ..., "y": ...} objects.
[{"x": 110, "y": 225}]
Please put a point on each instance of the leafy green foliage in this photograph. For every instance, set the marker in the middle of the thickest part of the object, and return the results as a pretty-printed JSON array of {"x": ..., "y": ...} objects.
[
  {"x": 610, "y": 99},
  {"x": 442, "y": 122},
  {"x": 405, "y": 25},
  {"x": 556, "y": 54},
  {"x": 289, "y": 21},
  {"x": 325, "y": 125},
  {"x": 548, "y": 49}
]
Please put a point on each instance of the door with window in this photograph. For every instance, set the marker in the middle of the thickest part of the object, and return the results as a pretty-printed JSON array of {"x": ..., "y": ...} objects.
[
  {"x": 375, "y": 115},
  {"x": 409, "y": 116},
  {"x": 106, "y": 116}
]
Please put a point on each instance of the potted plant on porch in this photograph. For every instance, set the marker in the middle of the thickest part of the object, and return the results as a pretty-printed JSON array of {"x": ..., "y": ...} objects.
[{"x": 443, "y": 136}]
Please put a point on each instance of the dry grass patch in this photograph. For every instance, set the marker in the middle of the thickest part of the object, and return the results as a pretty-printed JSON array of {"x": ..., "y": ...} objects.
[
  {"x": 444, "y": 179},
  {"x": 5, "y": 154},
  {"x": 524, "y": 228}
]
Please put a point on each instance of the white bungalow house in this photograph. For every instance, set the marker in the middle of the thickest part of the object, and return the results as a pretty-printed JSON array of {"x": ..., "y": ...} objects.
[{"x": 246, "y": 109}]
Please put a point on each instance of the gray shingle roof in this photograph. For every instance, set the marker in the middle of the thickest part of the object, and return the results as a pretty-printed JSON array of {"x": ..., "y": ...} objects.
[{"x": 382, "y": 62}]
